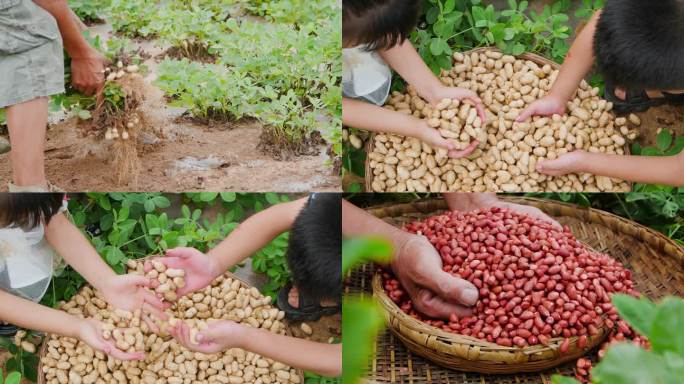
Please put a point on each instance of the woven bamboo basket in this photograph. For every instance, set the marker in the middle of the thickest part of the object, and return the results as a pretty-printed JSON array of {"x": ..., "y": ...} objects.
[
  {"x": 526, "y": 56},
  {"x": 420, "y": 353},
  {"x": 43, "y": 348}
]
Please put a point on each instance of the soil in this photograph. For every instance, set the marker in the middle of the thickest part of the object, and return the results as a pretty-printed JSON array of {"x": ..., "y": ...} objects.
[
  {"x": 665, "y": 117},
  {"x": 181, "y": 155}
]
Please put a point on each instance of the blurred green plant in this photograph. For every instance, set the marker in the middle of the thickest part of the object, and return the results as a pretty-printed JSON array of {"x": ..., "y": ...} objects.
[
  {"x": 20, "y": 363},
  {"x": 363, "y": 318},
  {"x": 90, "y": 11},
  {"x": 588, "y": 7},
  {"x": 12, "y": 378},
  {"x": 625, "y": 363}
]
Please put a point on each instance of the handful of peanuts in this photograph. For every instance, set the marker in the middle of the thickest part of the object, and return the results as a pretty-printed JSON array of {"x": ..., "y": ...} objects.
[
  {"x": 508, "y": 150},
  {"x": 69, "y": 360}
]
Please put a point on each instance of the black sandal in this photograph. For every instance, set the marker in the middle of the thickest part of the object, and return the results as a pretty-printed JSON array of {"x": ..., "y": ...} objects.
[
  {"x": 307, "y": 311},
  {"x": 8, "y": 330},
  {"x": 639, "y": 101}
]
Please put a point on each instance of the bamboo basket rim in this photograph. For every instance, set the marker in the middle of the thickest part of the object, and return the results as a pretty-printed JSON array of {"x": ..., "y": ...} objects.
[
  {"x": 43, "y": 348},
  {"x": 368, "y": 147},
  {"x": 611, "y": 220},
  {"x": 467, "y": 353}
]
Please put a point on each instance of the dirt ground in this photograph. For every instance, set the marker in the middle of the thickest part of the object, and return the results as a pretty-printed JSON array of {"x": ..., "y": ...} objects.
[
  {"x": 183, "y": 155},
  {"x": 665, "y": 117}
]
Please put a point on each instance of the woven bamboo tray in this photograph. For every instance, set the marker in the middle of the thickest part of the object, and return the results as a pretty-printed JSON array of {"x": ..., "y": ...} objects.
[
  {"x": 526, "y": 56},
  {"x": 657, "y": 264},
  {"x": 43, "y": 348}
]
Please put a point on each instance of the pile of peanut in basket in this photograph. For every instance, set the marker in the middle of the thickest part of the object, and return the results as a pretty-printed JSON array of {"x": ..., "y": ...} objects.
[
  {"x": 508, "y": 150},
  {"x": 68, "y": 360}
]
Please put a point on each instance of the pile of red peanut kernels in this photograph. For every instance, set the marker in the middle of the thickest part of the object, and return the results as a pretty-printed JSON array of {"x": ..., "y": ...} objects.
[{"x": 536, "y": 282}]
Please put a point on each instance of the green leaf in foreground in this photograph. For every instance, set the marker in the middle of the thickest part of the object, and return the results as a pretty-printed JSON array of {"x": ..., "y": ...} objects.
[
  {"x": 664, "y": 139},
  {"x": 628, "y": 364},
  {"x": 12, "y": 378},
  {"x": 666, "y": 334},
  {"x": 638, "y": 313},
  {"x": 364, "y": 249},
  {"x": 361, "y": 323}
]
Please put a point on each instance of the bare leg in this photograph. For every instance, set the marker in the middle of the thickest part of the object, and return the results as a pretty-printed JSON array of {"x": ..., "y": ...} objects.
[
  {"x": 293, "y": 299},
  {"x": 27, "y": 123},
  {"x": 621, "y": 93}
]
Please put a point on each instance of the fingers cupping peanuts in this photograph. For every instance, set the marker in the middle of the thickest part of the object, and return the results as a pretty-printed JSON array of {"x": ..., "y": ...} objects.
[
  {"x": 220, "y": 307},
  {"x": 523, "y": 126}
]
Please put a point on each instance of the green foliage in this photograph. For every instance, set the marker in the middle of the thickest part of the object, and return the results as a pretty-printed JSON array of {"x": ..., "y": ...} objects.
[
  {"x": 588, "y": 8},
  {"x": 19, "y": 364},
  {"x": 89, "y": 10},
  {"x": 353, "y": 160},
  {"x": 124, "y": 226},
  {"x": 176, "y": 24},
  {"x": 660, "y": 324},
  {"x": 129, "y": 17},
  {"x": 312, "y": 378},
  {"x": 363, "y": 318},
  {"x": 362, "y": 250},
  {"x": 286, "y": 73},
  {"x": 297, "y": 12},
  {"x": 271, "y": 261},
  {"x": 465, "y": 24},
  {"x": 285, "y": 76},
  {"x": 666, "y": 145},
  {"x": 208, "y": 90},
  {"x": 12, "y": 378}
]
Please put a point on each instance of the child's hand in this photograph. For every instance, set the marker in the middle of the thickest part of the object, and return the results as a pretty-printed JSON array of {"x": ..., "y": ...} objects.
[
  {"x": 564, "y": 164},
  {"x": 219, "y": 336},
  {"x": 128, "y": 292},
  {"x": 200, "y": 269},
  {"x": 546, "y": 106},
  {"x": 90, "y": 332},
  {"x": 445, "y": 92},
  {"x": 435, "y": 140}
]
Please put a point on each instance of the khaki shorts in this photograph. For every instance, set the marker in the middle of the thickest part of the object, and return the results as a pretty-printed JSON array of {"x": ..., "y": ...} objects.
[{"x": 31, "y": 55}]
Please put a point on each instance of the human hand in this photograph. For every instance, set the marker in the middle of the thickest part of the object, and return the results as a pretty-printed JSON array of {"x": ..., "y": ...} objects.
[
  {"x": 128, "y": 292},
  {"x": 434, "y": 292},
  {"x": 444, "y": 92},
  {"x": 464, "y": 202},
  {"x": 87, "y": 71},
  {"x": 219, "y": 336},
  {"x": 432, "y": 137},
  {"x": 90, "y": 332},
  {"x": 200, "y": 269},
  {"x": 547, "y": 106},
  {"x": 564, "y": 164}
]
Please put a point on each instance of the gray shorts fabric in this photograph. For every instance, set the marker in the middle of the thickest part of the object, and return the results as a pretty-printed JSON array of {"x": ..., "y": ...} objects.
[{"x": 31, "y": 55}]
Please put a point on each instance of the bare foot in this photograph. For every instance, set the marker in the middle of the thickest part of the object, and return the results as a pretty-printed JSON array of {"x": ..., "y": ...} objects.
[
  {"x": 621, "y": 93},
  {"x": 293, "y": 299}
]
